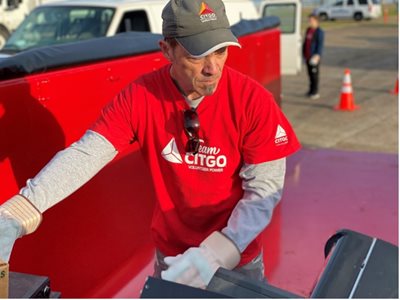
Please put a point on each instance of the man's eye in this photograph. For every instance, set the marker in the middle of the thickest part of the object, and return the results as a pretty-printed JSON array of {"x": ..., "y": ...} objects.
[
  {"x": 195, "y": 59},
  {"x": 221, "y": 50}
]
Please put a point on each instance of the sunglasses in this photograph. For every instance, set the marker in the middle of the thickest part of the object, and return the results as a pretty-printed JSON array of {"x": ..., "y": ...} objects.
[{"x": 191, "y": 124}]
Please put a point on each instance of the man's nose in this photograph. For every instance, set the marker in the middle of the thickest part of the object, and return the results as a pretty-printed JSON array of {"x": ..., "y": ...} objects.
[{"x": 211, "y": 66}]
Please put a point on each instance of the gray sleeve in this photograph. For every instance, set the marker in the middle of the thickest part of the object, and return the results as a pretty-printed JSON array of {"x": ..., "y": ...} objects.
[
  {"x": 262, "y": 184},
  {"x": 68, "y": 170}
]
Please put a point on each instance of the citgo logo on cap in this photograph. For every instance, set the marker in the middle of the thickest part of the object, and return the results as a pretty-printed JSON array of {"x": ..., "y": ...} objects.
[{"x": 206, "y": 13}]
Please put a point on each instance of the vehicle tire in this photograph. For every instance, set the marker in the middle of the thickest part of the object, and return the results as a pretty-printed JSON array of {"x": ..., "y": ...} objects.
[
  {"x": 4, "y": 35},
  {"x": 358, "y": 16},
  {"x": 323, "y": 16}
]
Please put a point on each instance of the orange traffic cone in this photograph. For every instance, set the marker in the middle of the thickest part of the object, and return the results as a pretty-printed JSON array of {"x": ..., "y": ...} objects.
[
  {"x": 395, "y": 91},
  {"x": 346, "y": 96}
]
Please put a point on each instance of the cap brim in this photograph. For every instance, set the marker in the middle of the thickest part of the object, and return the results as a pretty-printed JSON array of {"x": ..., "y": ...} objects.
[{"x": 202, "y": 44}]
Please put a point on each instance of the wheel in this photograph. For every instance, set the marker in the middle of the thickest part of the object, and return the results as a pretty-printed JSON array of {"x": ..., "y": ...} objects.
[
  {"x": 358, "y": 16},
  {"x": 323, "y": 16},
  {"x": 4, "y": 35}
]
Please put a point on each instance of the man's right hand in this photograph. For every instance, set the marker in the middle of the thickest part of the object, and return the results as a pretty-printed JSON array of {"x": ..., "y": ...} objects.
[{"x": 17, "y": 217}]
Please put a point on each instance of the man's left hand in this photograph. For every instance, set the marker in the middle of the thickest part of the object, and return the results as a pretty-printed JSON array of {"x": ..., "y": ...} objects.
[
  {"x": 197, "y": 265},
  {"x": 315, "y": 59}
]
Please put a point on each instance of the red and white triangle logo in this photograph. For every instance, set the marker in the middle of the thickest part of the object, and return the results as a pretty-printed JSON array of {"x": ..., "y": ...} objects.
[
  {"x": 205, "y": 9},
  {"x": 280, "y": 136},
  {"x": 280, "y": 132}
]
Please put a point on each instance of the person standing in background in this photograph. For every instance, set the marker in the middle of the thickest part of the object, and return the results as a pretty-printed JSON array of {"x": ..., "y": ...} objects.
[{"x": 312, "y": 52}]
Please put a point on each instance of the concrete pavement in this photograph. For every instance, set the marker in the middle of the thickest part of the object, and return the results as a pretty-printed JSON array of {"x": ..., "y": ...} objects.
[{"x": 370, "y": 51}]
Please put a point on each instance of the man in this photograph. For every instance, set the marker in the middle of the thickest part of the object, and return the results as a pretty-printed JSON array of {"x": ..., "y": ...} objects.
[
  {"x": 312, "y": 51},
  {"x": 229, "y": 140}
]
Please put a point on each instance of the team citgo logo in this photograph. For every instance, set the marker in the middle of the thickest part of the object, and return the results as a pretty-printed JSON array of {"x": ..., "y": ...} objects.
[
  {"x": 206, "y": 13},
  {"x": 208, "y": 159},
  {"x": 281, "y": 136}
]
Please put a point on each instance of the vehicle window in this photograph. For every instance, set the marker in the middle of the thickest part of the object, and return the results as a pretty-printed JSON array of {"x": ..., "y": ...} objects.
[
  {"x": 375, "y": 1},
  {"x": 60, "y": 24},
  {"x": 350, "y": 2},
  {"x": 134, "y": 21},
  {"x": 339, "y": 3},
  {"x": 363, "y": 2},
  {"x": 286, "y": 13},
  {"x": 13, "y": 3}
]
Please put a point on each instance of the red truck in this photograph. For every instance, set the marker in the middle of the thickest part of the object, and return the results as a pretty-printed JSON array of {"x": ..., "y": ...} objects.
[{"x": 50, "y": 96}]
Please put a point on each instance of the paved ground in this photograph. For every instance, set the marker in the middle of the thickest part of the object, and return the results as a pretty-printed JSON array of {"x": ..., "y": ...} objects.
[
  {"x": 370, "y": 51},
  {"x": 326, "y": 190}
]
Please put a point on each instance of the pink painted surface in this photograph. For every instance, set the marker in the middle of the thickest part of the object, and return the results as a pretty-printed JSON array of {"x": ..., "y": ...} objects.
[{"x": 327, "y": 190}]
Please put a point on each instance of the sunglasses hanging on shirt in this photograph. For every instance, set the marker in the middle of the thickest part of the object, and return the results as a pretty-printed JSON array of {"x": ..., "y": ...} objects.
[{"x": 191, "y": 124}]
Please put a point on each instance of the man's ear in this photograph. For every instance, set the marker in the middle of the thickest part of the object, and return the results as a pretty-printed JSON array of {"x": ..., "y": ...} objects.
[{"x": 166, "y": 50}]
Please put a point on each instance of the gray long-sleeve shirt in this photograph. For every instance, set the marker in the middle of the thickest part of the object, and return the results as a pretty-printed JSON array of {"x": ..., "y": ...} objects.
[{"x": 77, "y": 164}]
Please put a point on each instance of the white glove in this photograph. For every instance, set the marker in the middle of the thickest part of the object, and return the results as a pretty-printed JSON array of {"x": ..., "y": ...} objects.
[
  {"x": 17, "y": 218},
  {"x": 197, "y": 265}
]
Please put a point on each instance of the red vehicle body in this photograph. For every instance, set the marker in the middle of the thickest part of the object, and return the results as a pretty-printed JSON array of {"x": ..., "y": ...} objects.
[
  {"x": 97, "y": 242},
  {"x": 98, "y": 239}
]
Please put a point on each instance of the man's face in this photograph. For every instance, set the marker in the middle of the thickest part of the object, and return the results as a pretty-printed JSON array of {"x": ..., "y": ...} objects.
[{"x": 196, "y": 77}]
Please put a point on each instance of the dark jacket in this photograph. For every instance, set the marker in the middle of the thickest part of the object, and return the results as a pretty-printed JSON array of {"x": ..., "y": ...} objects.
[{"x": 317, "y": 42}]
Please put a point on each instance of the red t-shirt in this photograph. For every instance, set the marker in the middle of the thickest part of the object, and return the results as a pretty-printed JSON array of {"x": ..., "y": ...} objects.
[{"x": 239, "y": 123}]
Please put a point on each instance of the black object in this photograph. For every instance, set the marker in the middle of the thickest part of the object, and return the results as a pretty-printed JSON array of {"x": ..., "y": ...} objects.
[
  {"x": 158, "y": 288},
  {"x": 245, "y": 27},
  {"x": 29, "y": 286},
  {"x": 192, "y": 126},
  {"x": 224, "y": 284},
  {"x": 43, "y": 59},
  {"x": 236, "y": 285},
  {"x": 358, "y": 266}
]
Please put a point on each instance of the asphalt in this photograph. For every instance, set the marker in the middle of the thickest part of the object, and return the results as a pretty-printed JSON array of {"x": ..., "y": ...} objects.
[{"x": 370, "y": 51}]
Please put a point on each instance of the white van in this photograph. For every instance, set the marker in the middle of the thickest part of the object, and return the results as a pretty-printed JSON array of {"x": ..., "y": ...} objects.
[
  {"x": 72, "y": 20},
  {"x": 350, "y": 9},
  {"x": 289, "y": 12}
]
